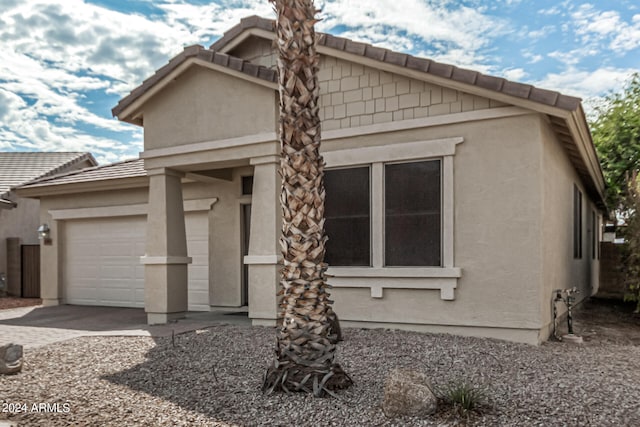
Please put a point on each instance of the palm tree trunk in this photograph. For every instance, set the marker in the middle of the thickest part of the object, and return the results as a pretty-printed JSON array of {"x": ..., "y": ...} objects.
[{"x": 306, "y": 340}]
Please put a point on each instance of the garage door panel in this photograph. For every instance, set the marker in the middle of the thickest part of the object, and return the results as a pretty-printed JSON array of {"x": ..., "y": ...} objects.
[
  {"x": 102, "y": 261},
  {"x": 102, "y": 257}
]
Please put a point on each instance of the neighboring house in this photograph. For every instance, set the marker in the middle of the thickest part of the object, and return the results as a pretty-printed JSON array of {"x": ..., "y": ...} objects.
[
  {"x": 20, "y": 217},
  {"x": 456, "y": 201}
]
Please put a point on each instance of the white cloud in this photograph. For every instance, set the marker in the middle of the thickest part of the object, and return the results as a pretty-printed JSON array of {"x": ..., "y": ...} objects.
[
  {"x": 586, "y": 84},
  {"x": 397, "y": 24},
  {"x": 515, "y": 74},
  {"x": 606, "y": 28}
]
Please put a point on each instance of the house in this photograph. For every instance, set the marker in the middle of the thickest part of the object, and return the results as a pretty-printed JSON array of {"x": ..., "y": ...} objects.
[
  {"x": 20, "y": 217},
  {"x": 456, "y": 201}
]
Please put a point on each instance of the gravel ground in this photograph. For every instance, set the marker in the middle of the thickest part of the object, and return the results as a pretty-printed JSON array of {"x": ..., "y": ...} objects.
[{"x": 212, "y": 377}]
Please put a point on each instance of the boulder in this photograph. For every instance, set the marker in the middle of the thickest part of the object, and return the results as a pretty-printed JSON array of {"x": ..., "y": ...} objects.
[
  {"x": 10, "y": 359},
  {"x": 408, "y": 392}
]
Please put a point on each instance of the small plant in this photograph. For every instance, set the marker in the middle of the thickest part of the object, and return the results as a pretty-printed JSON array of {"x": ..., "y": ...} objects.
[{"x": 464, "y": 397}]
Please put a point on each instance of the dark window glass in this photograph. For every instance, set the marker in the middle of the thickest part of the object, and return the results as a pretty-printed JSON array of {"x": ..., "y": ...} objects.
[
  {"x": 594, "y": 235},
  {"x": 412, "y": 214},
  {"x": 348, "y": 222},
  {"x": 577, "y": 223},
  {"x": 247, "y": 185}
]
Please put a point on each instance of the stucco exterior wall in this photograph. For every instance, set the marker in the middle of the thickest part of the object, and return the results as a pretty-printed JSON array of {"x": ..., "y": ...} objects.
[
  {"x": 560, "y": 269},
  {"x": 22, "y": 222},
  {"x": 204, "y": 105},
  {"x": 498, "y": 196}
]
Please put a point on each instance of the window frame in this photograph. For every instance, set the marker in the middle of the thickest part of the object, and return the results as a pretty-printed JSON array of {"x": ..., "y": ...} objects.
[{"x": 379, "y": 277}]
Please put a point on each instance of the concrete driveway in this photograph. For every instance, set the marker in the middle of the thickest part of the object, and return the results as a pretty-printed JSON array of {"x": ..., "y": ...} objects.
[{"x": 37, "y": 326}]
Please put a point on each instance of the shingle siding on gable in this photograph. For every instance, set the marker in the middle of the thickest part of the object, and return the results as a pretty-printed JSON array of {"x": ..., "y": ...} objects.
[
  {"x": 257, "y": 51},
  {"x": 353, "y": 95}
]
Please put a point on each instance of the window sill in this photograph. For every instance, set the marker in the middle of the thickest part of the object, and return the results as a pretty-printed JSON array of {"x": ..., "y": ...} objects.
[{"x": 377, "y": 279}]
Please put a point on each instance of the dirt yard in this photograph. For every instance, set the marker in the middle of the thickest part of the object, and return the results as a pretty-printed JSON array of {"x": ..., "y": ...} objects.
[
  {"x": 13, "y": 302},
  {"x": 607, "y": 322}
]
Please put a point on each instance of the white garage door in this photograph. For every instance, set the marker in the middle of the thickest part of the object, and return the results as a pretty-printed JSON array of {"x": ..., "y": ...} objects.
[{"x": 102, "y": 261}]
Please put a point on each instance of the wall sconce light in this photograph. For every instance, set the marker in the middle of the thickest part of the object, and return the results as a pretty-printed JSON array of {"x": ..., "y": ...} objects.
[{"x": 44, "y": 234}]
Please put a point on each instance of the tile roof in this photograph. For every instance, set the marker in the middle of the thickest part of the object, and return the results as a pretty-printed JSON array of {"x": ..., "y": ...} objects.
[
  {"x": 427, "y": 66},
  {"x": 126, "y": 169},
  {"x": 19, "y": 168}
]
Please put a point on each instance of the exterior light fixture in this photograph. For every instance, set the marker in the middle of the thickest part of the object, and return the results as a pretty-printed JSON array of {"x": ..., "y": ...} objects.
[{"x": 44, "y": 234}]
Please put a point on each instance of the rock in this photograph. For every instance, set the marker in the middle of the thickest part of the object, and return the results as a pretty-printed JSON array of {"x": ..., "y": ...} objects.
[
  {"x": 10, "y": 359},
  {"x": 408, "y": 392}
]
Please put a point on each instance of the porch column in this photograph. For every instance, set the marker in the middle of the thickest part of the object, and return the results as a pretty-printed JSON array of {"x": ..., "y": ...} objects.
[
  {"x": 264, "y": 252},
  {"x": 51, "y": 256},
  {"x": 166, "y": 260}
]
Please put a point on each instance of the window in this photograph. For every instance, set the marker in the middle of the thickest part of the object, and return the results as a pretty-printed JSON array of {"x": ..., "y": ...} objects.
[
  {"x": 389, "y": 217},
  {"x": 594, "y": 235},
  {"x": 577, "y": 223},
  {"x": 412, "y": 214},
  {"x": 347, "y": 218},
  {"x": 247, "y": 185}
]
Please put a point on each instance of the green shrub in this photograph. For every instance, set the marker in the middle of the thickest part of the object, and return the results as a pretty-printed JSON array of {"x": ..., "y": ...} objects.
[
  {"x": 631, "y": 256},
  {"x": 464, "y": 397}
]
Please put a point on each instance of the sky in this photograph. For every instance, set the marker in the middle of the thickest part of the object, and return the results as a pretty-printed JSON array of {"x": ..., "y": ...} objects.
[{"x": 64, "y": 64}]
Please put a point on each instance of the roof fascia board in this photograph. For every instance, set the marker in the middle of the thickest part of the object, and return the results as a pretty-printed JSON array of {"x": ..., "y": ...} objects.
[
  {"x": 132, "y": 111},
  {"x": 587, "y": 151},
  {"x": 80, "y": 187}
]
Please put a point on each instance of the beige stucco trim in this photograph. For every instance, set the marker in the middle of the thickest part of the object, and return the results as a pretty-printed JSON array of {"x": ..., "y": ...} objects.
[
  {"x": 262, "y": 259},
  {"x": 264, "y": 160},
  {"x": 210, "y": 145},
  {"x": 197, "y": 205},
  {"x": 164, "y": 260},
  {"x": 101, "y": 212},
  {"x": 378, "y": 279},
  {"x": 424, "y": 122},
  {"x": 393, "y": 153}
]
